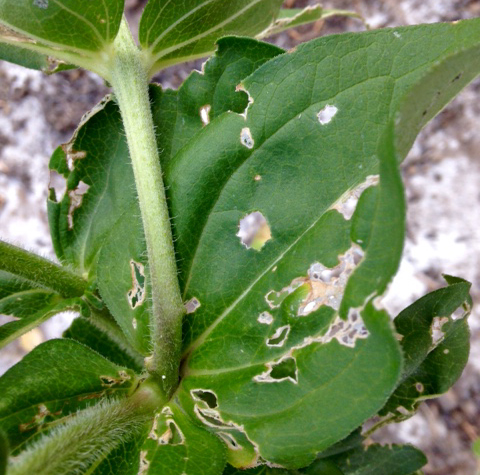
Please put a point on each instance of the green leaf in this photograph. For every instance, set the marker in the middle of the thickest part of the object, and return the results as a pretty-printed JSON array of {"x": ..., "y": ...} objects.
[
  {"x": 435, "y": 346},
  {"x": 4, "y": 450},
  {"x": 84, "y": 332},
  {"x": 31, "y": 308},
  {"x": 23, "y": 57},
  {"x": 109, "y": 206},
  {"x": 90, "y": 27},
  {"x": 175, "y": 445},
  {"x": 173, "y": 32},
  {"x": 378, "y": 460},
  {"x": 52, "y": 382},
  {"x": 293, "y": 17},
  {"x": 291, "y": 161}
]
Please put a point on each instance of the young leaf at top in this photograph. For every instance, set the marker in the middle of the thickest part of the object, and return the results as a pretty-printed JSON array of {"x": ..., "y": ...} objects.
[
  {"x": 52, "y": 382},
  {"x": 173, "y": 32}
]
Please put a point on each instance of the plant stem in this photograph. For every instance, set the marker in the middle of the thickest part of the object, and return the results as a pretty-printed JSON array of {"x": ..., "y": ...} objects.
[
  {"x": 39, "y": 270},
  {"x": 129, "y": 80},
  {"x": 88, "y": 437}
]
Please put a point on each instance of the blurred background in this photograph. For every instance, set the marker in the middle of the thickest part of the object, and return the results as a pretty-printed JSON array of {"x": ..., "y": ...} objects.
[{"x": 441, "y": 173}]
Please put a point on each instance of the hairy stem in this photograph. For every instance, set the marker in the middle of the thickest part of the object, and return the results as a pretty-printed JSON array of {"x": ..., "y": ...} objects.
[
  {"x": 39, "y": 270},
  {"x": 91, "y": 435},
  {"x": 130, "y": 84}
]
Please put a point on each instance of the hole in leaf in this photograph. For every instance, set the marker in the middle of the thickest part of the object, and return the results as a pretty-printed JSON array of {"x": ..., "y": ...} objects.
[
  {"x": 279, "y": 337},
  {"x": 229, "y": 440},
  {"x": 283, "y": 370},
  {"x": 192, "y": 305},
  {"x": 437, "y": 334},
  {"x": 172, "y": 436},
  {"x": 327, "y": 114},
  {"x": 254, "y": 231},
  {"x": 136, "y": 295},
  {"x": 76, "y": 198},
  {"x": 206, "y": 396},
  {"x": 347, "y": 203},
  {"x": 246, "y": 138},
  {"x": 43, "y": 4},
  {"x": 265, "y": 318},
  {"x": 58, "y": 183}
]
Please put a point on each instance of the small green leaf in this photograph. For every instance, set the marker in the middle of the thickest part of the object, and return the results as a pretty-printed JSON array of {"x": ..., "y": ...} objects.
[
  {"x": 90, "y": 27},
  {"x": 172, "y": 32},
  {"x": 379, "y": 460},
  {"x": 435, "y": 346},
  {"x": 84, "y": 332},
  {"x": 176, "y": 446},
  {"x": 52, "y": 382},
  {"x": 51, "y": 305}
]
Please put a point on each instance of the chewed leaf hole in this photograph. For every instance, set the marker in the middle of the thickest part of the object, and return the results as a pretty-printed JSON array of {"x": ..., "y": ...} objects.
[
  {"x": 246, "y": 138},
  {"x": 327, "y": 114},
  {"x": 58, "y": 183},
  {"x": 208, "y": 397},
  {"x": 283, "y": 370},
  {"x": 347, "y": 203},
  {"x": 279, "y": 337},
  {"x": 192, "y": 305},
  {"x": 322, "y": 286},
  {"x": 265, "y": 318},
  {"x": 136, "y": 295},
  {"x": 232, "y": 444},
  {"x": 436, "y": 331},
  {"x": 172, "y": 436},
  {"x": 43, "y": 4},
  {"x": 76, "y": 198},
  {"x": 205, "y": 114},
  {"x": 254, "y": 231}
]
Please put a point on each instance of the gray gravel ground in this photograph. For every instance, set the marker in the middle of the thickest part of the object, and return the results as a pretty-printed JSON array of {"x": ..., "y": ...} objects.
[{"x": 442, "y": 176}]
